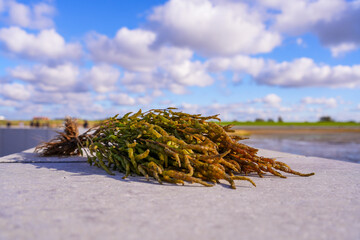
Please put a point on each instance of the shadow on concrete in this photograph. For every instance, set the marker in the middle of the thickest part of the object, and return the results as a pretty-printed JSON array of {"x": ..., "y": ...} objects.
[
  {"x": 30, "y": 157},
  {"x": 84, "y": 169},
  {"x": 78, "y": 166}
]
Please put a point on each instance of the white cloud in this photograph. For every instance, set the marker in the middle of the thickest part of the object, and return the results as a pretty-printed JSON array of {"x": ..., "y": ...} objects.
[
  {"x": 330, "y": 102},
  {"x": 59, "y": 78},
  {"x": 76, "y": 104},
  {"x": 2, "y": 7},
  {"x": 19, "y": 14},
  {"x": 214, "y": 28},
  {"x": 145, "y": 100},
  {"x": 177, "y": 89},
  {"x": 271, "y": 99},
  {"x": 43, "y": 14},
  {"x": 133, "y": 50},
  {"x": 324, "y": 18},
  {"x": 149, "y": 67},
  {"x": 175, "y": 77},
  {"x": 103, "y": 78},
  {"x": 16, "y": 91},
  {"x": 342, "y": 48},
  {"x": 62, "y": 98},
  {"x": 300, "y": 42},
  {"x": 39, "y": 16},
  {"x": 304, "y": 72},
  {"x": 122, "y": 99},
  {"x": 8, "y": 102},
  {"x": 47, "y": 45},
  {"x": 238, "y": 63},
  {"x": 188, "y": 73},
  {"x": 299, "y": 16},
  {"x": 342, "y": 34},
  {"x": 129, "y": 49},
  {"x": 242, "y": 111},
  {"x": 139, "y": 82},
  {"x": 229, "y": 112}
]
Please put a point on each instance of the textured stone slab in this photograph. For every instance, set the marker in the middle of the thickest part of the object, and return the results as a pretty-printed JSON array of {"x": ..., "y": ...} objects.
[{"x": 59, "y": 200}]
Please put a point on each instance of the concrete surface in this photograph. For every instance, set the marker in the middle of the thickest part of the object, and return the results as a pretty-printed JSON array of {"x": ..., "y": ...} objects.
[{"x": 65, "y": 198}]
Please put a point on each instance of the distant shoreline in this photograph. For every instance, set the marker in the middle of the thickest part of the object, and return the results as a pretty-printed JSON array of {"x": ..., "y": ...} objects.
[
  {"x": 244, "y": 128},
  {"x": 264, "y": 130}
]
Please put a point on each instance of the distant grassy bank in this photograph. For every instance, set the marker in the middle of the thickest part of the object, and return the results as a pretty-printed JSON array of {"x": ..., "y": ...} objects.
[
  {"x": 91, "y": 123},
  {"x": 294, "y": 124},
  {"x": 45, "y": 123}
]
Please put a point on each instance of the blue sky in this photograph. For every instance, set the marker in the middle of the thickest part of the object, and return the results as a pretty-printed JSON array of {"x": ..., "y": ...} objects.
[{"x": 242, "y": 59}]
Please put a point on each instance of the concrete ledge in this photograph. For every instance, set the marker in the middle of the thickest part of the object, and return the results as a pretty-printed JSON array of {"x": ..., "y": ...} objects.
[
  {"x": 65, "y": 198},
  {"x": 29, "y": 156}
]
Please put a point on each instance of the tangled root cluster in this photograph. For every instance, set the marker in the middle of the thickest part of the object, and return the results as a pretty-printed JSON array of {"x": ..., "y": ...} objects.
[
  {"x": 169, "y": 146},
  {"x": 65, "y": 144}
]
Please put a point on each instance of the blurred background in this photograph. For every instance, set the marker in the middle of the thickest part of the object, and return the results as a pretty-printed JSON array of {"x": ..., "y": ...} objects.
[{"x": 284, "y": 73}]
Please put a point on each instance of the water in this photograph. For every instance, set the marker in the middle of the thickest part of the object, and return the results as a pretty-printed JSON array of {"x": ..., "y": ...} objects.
[
  {"x": 13, "y": 140},
  {"x": 340, "y": 146}
]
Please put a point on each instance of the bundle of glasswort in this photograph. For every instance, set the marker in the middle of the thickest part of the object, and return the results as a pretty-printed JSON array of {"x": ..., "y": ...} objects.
[{"x": 168, "y": 145}]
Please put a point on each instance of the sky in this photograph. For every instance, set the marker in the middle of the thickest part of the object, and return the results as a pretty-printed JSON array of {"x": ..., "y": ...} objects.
[{"x": 244, "y": 60}]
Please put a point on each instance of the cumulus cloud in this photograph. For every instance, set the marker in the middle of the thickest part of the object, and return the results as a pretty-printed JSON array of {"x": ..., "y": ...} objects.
[
  {"x": 60, "y": 98},
  {"x": 341, "y": 49},
  {"x": 243, "y": 111},
  {"x": 133, "y": 50},
  {"x": 330, "y": 102},
  {"x": 16, "y": 91},
  {"x": 102, "y": 77},
  {"x": 2, "y": 7},
  {"x": 342, "y": 34},
  {"x": 177, "y": 89},
  {"x": 122, "y": 99},
  {"x": 148, "y": 66},
  {"x": 300, "y": 42},
  {"x": 215, "y": 28},
  {"x": 58, "y": 78},
  {"x": 232, "y": 111},
  {"x": 163, "y": 56},
  {"x": 188, "y": 73},
  {"x": 297, "y": 17},
  {"x": 69, "y": 103},
  {"x": 271, "y": 99},
  {"x": 324, "y": 18},
  {"x": 68, "y": 77},
  {"x": 170, "y": 76},
  {"x": 39, "y": 16},
  {"x": 238, "y": 63},
  {"x": 8, "y": 103},
  {"x": 304, "y": 72},
  {"x": 47, "y": 45}
]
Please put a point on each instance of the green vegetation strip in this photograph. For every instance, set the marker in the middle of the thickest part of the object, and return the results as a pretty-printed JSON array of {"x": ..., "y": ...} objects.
[
  {"x": 295, "y": 124},
  {"x": 167, "y": 145}
]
